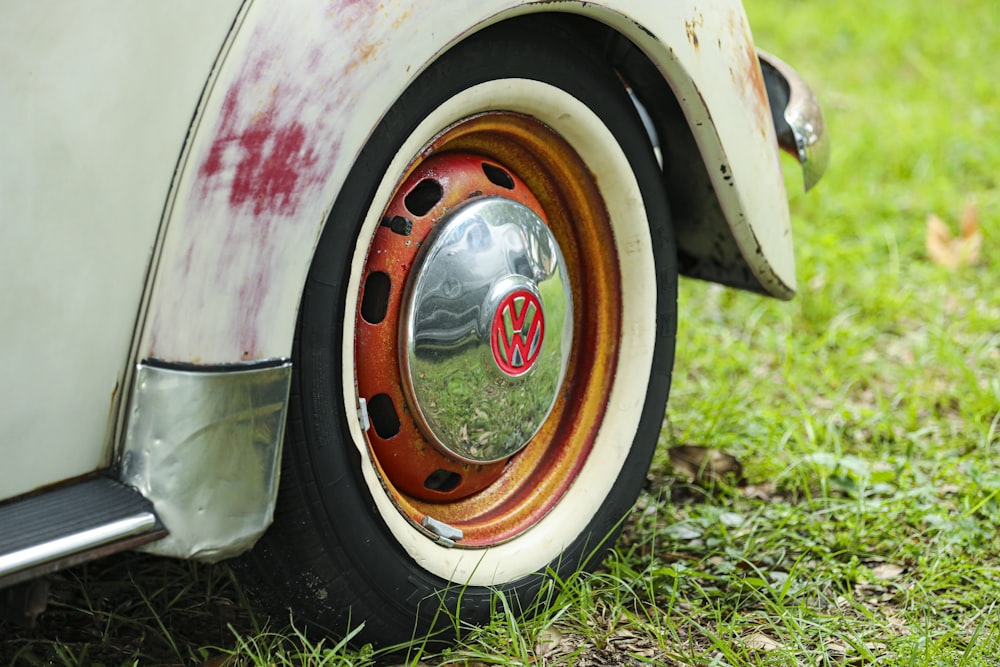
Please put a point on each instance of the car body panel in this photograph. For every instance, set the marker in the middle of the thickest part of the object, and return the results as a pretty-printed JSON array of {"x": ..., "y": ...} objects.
[{"x": 93, "y": 118}]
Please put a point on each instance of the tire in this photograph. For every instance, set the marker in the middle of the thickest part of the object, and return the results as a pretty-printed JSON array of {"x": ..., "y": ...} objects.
[{"x": 348, "y": 550}]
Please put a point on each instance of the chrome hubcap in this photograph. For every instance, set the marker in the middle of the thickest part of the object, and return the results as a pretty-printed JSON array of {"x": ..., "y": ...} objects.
[{"x": 486, "y": 331}]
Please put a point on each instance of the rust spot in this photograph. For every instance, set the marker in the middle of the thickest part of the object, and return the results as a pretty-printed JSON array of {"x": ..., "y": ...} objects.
[
  {"x": 364, "y": 54},
  {"x": 755, "y": 79},
  {"x": 691, "y": 29},
  {"x": 692, "y": 34},
  {"x": 746, "y": 73},
  {"x": 403, "y": 18}
]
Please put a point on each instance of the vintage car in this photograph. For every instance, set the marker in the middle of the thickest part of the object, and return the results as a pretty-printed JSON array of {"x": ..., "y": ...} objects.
[{"x": 417, "y": 260}]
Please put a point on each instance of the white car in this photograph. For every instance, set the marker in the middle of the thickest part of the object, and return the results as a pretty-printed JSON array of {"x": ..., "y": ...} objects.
[{"x": 417, "y": 260}]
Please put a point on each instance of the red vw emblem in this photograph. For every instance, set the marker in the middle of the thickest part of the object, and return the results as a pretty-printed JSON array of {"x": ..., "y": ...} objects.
[{"x": 517, "y": 332}]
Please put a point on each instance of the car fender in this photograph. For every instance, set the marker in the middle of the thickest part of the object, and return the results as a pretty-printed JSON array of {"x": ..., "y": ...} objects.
[{"x": 300, "y": 88}]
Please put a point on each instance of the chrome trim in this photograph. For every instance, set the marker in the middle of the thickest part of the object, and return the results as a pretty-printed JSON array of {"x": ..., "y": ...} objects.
[
  {"x": 204, "y": 445},
  {"x": 69, "y": 545},
  {"x": 486, "y": 330},
  {"x": 798, "y": 118},
  {"x": 444, "y": 534}
]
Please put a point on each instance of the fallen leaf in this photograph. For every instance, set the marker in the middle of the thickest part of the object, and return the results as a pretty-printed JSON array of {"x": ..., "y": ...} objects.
[
  {"x": 761, "y": 642},
  {"x": 627, "y": 642},
  {"x": 896, "y": 623},
  {"x": 731, "y": 519},
  {"x": 839, "y": 653},
  {"x": 682, "y": 531},
  {"x": 548, "y": 641},
  {"x": 763, "y": 491},
  {"x": 950, "y": 251},
  {"x": 704, "y": 463},
  {"x": 887, "y": 571},
  {"x": 836, "y": 652}
]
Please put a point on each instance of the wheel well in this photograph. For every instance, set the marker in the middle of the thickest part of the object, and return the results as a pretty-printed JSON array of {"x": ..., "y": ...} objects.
[{"x": 706, "y": 247}]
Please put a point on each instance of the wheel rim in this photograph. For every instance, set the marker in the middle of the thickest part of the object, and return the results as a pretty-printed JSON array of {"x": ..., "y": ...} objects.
[{"x": 509, "y": 158}]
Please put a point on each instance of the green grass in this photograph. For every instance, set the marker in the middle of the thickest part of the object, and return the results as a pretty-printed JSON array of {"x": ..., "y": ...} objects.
[{"x": 865, "y": 414}]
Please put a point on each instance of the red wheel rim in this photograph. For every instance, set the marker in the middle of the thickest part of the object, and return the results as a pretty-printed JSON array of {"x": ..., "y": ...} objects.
[{"x": 513, "y": 156}]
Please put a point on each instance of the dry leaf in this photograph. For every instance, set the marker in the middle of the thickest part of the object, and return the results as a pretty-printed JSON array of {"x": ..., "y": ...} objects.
[
  {"x": 682, "y": 531},
  {"x": 626, "y": 642},
  {"x": 839, "y": 653},
  {"x": 548, "y": 641},
  {"x": 896, "y": 623},
  {"x": 887, "y": 571},
  {"x": 764, "y": 491},
  {"x": 952, "y": 252},
  {"x": 761, "y": 642},
  {"x": 703, "y": 463},
  {"x": 836, "y": 652}
]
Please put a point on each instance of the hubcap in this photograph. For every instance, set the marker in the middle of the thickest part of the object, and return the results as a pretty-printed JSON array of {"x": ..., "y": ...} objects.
[{"x": 487, "y": 330}]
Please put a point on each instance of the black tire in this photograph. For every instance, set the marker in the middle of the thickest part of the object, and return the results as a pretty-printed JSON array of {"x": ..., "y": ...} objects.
[{"x": 330, "y": 555}]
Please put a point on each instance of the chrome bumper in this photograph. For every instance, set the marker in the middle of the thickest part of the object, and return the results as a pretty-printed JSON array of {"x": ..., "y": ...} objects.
[{"x": 798, "y": 118}]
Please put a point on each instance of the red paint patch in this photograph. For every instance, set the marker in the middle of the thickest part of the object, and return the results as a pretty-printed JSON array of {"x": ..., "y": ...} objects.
[
  {"x": 269, "y": 172},
  {"x": 270, "y": 158}
]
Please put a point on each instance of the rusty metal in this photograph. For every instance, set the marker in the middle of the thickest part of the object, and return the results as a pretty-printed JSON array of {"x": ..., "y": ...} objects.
[{"x": 494, "y": 503}]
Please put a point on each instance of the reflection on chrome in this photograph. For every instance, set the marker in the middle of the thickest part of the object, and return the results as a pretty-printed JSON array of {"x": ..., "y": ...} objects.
[
  {"x": 798, "y": 117},
  {"x": 486, "y": 330}
]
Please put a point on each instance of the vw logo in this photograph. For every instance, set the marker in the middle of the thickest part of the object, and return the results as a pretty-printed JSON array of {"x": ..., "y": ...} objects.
[{"x": 517, "y": 332}]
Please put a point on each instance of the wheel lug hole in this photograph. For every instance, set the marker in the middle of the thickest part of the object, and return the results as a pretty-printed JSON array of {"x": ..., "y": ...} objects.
[
  {"x": 375, "y": 300},
  {"x": 423, "y": 197},
  {"x": 383, "y": 416},
  {"x": 498, "y": 176},
  {"x": 442, "y": 480}
]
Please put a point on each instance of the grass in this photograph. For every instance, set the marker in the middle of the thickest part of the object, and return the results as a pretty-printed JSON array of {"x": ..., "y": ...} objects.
[{"x": 865, "y": 415}]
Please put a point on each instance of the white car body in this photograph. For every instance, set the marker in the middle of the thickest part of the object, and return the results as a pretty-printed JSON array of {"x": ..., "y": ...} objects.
[{"x": 167, "y": 169}]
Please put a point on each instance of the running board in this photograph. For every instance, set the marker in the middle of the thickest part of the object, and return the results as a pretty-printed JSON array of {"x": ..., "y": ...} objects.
[{"x": 72, "y": 524}]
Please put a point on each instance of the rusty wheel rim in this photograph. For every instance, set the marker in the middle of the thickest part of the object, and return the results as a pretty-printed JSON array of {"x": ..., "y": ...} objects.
[{"x": 514, "y": 156}]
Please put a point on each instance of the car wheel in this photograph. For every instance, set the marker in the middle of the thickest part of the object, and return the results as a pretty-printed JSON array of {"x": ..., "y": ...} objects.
[{"x": 483, "y": 351}]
